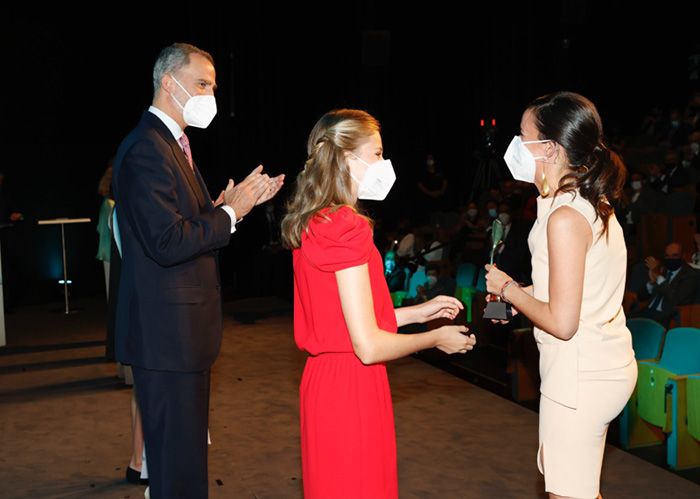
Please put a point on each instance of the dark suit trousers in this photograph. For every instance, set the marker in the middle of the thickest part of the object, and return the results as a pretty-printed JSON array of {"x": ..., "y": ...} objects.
[{"x": 175, "y": 416}]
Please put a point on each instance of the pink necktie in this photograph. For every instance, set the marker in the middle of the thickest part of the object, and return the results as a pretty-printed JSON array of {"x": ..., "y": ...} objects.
[{"x": 185, "y": 143}]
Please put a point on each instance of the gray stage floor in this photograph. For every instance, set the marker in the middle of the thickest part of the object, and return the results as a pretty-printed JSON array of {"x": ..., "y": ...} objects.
[{"x": 64, "y": 420}]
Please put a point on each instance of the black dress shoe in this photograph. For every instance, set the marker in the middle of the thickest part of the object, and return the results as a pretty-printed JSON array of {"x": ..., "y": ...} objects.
[{"x": 134, "y": 476}]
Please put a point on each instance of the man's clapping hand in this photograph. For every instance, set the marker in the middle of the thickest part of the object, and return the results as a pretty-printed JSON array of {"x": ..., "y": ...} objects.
[
  {"x": 255, "y": 189},
  {"x": 274, "y": 185}
]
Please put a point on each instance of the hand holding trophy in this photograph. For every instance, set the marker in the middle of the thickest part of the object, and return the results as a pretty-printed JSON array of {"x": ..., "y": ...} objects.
[{"x": 497, "y": 309}]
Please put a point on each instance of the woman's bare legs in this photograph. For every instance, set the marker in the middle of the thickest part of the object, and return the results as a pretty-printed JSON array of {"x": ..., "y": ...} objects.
[{"x": 136, "y": 435}]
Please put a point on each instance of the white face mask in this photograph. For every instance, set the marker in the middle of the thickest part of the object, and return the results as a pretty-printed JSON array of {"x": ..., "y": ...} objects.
[
  {"x": 377, "y": 180},
  {"x": 636, "y": 185},
  {"x": 199, "y": 110},
  {"x": 520, "y": 160}
]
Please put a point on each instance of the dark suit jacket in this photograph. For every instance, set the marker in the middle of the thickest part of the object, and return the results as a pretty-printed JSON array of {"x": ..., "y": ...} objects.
[
  {"x": 515, "y": 259},
  {"x": 680, "y": 291},
  {"x": 169, "y": 304},
  {"x": 645, "y": 203}
]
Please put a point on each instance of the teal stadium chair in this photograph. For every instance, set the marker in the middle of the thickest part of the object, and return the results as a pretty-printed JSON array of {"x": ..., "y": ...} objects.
[
  {"x": 693, "y": 394},
  {"x": 682, "y": 421},
  {"x": 647, "y": 338},
  {"x": 418, "y": 278},
  {"x": 481, "y": 280},
  {"x": 397, "y": 297},
  {"x": 662, "y": 395},
  {"x": 647, "y": 341},
  {"x": 465, "y": 275}
]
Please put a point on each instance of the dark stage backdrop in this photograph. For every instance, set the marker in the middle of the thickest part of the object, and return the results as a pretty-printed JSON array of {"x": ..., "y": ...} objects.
[{"x": 71, "y": 89}]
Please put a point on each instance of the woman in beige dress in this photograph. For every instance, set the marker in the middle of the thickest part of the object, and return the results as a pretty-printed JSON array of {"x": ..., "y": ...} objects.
[{"x": 575, "y": 302}]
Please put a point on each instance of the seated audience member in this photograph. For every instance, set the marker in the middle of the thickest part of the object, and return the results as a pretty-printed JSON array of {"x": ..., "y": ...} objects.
[{"x": 671, "y": 283}]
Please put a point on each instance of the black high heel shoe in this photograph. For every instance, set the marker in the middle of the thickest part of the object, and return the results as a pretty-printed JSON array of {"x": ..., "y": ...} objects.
[{"x": 134, "y": 476}]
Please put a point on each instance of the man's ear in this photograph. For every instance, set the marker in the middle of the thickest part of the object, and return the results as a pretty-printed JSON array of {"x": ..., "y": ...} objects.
[{"x": 166, "y": 83}]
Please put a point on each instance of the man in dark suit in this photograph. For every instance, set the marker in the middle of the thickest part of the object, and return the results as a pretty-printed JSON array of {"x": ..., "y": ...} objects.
[
  {"x": 169, "y": 319},
  {"x": 513, "y": 256},
  {"x": 671, "y": 284},
  {"x": 639, "y": 201}
]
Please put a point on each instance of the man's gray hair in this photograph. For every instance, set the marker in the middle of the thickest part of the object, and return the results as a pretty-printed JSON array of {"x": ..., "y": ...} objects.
[{"x": 174, "y": 57}]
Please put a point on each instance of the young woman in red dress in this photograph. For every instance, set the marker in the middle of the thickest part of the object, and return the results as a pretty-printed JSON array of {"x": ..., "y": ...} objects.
[{"x": 344, "y": 317}]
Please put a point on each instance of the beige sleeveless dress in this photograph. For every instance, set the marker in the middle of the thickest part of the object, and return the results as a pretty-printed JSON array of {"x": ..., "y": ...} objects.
[{"x": 587, "y": 380}]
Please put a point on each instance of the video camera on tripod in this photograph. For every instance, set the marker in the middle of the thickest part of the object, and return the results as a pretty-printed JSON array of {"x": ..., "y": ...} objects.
[
  {"x": 489, "y": 167},
  {"x": 487, "y": 142}
]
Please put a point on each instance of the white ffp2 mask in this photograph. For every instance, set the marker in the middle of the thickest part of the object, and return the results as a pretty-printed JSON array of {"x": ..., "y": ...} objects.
[
  {"x": 199, "y": 110},
  {"x": 377, "y": 180},
  {"x": 520, "y": 160}
]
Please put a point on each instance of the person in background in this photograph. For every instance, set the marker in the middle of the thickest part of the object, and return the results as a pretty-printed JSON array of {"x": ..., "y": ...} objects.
[
  {"x": 136, "y": 470},
  {"x": 512, "y": 256},
  {"x": 432, "y": 187},
  {"x": 695, "y": 258},
  {"x": 672, "y": 282},
  {"x": 104, "y": 221},
  {"x": 9, "y": 218},
  {"x": 639, "y": 201}
]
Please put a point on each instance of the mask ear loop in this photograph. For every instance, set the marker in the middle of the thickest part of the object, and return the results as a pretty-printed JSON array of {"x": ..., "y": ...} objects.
[
  {"x": 182, "y": 106},
  {"x": 350, "y": 170}
]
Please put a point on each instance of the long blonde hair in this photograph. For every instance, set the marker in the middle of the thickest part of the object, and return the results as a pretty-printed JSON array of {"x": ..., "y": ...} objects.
[{"x": 325, "y": 181}]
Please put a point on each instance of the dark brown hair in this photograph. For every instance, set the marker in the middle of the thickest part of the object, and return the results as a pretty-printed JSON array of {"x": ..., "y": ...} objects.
[{"x": 572, "y": 121}]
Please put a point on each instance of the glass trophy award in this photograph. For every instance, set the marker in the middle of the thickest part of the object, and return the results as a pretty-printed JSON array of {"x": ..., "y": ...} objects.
[{"x": 497, "y": 309}]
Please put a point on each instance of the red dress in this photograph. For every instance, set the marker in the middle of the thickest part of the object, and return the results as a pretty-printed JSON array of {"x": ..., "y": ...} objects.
[{"x": 348, "y": 444}]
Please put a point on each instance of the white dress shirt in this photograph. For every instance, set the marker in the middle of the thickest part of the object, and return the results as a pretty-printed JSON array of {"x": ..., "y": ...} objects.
[{"x": 177, "y": 133}]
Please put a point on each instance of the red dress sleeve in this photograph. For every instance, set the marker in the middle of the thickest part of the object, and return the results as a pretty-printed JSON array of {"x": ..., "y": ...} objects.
[{"x": 337, "y": 240}]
